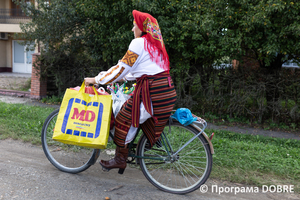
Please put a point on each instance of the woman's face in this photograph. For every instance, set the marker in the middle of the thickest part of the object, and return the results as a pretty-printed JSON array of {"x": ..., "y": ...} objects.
[{"x": 137, "y": 32}]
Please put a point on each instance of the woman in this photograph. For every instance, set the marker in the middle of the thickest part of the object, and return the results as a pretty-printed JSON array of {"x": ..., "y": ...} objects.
[{"x": 147, "y": 62}]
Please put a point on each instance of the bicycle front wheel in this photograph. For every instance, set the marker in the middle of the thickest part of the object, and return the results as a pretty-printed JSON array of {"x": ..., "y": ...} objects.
[
  {"x": 181, "y": 173},
  {"x": 67, "y": 158}
]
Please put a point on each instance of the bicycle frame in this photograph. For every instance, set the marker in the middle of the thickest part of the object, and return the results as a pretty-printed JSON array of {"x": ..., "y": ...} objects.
[{"x": 167, "y": 145}]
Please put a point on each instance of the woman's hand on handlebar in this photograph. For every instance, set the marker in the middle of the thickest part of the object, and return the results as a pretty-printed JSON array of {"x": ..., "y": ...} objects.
[{"x": 89, "y": 81}]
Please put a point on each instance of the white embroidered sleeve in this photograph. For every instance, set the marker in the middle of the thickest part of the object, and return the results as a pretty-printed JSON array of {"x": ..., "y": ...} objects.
[
  {"x": 129, "y": 77},
  {"x": 113, "y": 75},
  {"x": 124, "y": 66}
]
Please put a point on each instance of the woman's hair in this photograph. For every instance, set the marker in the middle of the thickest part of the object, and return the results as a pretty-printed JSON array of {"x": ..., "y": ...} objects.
[{"x": 143, "y": 33}]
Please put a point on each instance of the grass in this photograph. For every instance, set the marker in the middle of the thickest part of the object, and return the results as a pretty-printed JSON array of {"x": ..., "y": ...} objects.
[
  {"x": 244, "y": 121},
  {"x": 26, "y": 86},
  {"x": 256, "y": 160},
  {"x": 247, "y": 159},
  {"x": 52, "y": 100},
  {"x": 23, "y": 122}
]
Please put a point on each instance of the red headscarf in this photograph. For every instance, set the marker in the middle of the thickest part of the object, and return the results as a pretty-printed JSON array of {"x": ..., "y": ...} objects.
[{"x": 154, "y": 43}]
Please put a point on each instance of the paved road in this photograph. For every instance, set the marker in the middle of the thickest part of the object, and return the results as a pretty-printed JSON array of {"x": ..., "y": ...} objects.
[{"x": 25, "y": 173}]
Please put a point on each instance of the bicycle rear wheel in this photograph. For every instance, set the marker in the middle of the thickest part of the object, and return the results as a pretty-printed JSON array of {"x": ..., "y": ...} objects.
[
  {"x": 182, "y": 173},
  {"x": 67, "y": 158}
]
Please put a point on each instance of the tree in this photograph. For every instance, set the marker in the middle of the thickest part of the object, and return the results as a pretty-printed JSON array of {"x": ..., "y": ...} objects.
[
  {"x": 262, "y": 30},
  {"x": 268, "y": 29},
  {"x": 84, "y": 37},
  {"x": 101, "y": 29},
  {"x": 58, "y": 30}
]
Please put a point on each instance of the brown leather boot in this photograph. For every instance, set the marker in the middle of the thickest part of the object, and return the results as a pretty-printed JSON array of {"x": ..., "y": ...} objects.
[{"x": 118, "y": 162}]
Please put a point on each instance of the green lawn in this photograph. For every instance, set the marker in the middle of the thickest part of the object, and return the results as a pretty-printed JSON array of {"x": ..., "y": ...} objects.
[
  {"x": 18, "y": 121},
  {"x": 256, "y": 160}
]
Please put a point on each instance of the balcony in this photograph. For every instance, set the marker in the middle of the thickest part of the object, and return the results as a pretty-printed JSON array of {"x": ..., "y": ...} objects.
[{"x": 13, "y": 16}]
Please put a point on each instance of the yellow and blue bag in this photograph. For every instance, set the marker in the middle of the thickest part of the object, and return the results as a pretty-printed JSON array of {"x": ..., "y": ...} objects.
[{"x": 84, "y": 119}]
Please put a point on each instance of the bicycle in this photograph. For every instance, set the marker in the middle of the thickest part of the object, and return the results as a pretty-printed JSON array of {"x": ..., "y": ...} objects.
[{"x": 179, "y": 163}]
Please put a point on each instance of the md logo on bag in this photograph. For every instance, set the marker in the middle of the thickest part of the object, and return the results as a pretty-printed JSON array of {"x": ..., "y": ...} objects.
[
  {"x": 88, "y": 115},
  {"x": 84, "y": 116}
]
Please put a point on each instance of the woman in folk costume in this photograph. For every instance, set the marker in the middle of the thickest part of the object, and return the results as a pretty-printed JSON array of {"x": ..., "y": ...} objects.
[{"x": 147, "y": 62}]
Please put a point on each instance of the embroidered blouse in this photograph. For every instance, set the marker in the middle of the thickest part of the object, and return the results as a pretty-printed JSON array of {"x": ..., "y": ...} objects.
[{"x": 134, "y": 64}]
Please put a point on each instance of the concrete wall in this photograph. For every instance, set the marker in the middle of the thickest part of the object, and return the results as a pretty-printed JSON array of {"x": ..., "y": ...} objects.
[
  {"x": 2, "y": 3},
  {"x": 6, "y": 55},
  {"x": 5, "y": 4},
  {"x": 11, "y": 28},
  {"x": 3, "y": 57},
  {"x": 9, "y": 53}
]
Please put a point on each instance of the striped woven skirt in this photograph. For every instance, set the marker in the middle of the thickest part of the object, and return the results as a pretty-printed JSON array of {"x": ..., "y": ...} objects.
[{"x": 163, "y": 97}]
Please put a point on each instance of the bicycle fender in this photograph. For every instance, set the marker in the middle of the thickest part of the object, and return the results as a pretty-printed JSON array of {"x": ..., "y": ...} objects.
[{"x": 205, "y": 136}]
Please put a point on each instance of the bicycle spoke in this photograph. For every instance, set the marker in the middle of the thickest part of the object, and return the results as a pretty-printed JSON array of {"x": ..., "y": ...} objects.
[
  {"x": 180, "y": 173},
  {"x": 186, "y": 172},
  {"x": 196, "y": 168},
  {"x": 193, "y": 161},
  {"x": 67, "y": 158}
]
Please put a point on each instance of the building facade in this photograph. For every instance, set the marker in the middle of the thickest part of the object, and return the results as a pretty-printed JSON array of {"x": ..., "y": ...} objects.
[{"x": 14, "y": 56}]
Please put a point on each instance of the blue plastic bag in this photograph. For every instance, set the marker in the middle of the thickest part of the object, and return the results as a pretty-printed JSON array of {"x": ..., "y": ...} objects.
[{"x": 184, "y": 116}]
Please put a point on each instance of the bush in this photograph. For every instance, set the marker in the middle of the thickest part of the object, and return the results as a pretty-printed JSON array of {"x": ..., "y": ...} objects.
[{"x": 242, "y": 94}]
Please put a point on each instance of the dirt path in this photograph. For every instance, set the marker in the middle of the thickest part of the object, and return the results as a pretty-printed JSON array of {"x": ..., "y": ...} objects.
[
  {"x": 25, "y": 173},
  {"x": 256, "y": 131}
]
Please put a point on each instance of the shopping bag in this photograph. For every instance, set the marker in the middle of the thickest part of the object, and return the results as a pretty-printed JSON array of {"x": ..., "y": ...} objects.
[
  {"x": 101, "y": 91},
  {"x": 184, "y": 116},
  {"x": 119, "y": 98},
  {"x": 84, "y": 119},
  {"x": 90, "y": 90}
]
